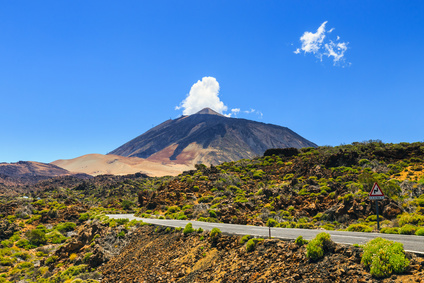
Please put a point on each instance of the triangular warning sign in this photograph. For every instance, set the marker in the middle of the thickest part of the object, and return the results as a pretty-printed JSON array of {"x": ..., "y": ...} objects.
[{"x": 376, "y": 191}]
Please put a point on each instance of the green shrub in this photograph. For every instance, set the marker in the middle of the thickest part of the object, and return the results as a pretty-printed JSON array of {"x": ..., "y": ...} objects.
[
  {"x": 188, "y": 229},
  {"x": 122, "y": 221},
  {"x": 212, "y": 213},
  {"x": 271, "y": 222},
  {"x": 300, "y": 241},
  {"x": 244, "y": 239},
  {"x": 303, "y": 192},
  {"x": 393, "y": 230},
  {"x": 314, "y": 250},
  {"x": 6, "y": 243},
  {"x": 22, "y": 255},
  {"x": 51, "y": 259},
  {"x": 127, "y": 204},
  {"x": 83, "y": 217},
  {"x": 373, "y": 218},
  {"x": 318, "y": 246},
  {"x": 208, "y": 219},
  {"x": 7, "y": 261},
  {"x": 420, "y": 232},
  {"x": 411, "y": 219},
  {"x": 251, "y": 244},
  {"x": 173, "y": 209},
  {"x": 24, "y": 244},
  {"x": 40, "y": 254},
  {"x": 55, "y": 237},
  {"x": 182, "y": 216},
  {"x": 33, "y": 218},
  {"x": 36, "y": 237},
  {"x": 408, "y": 229},
  {"x": 384, "y": 257},
  {"x": 41, "y": 227},
  {"x": 205, "y": 199},
  {"x": 305, "y": 225},
  {"x": 25, "y": 265},
  {"x": 215, "y": 233},
  {"x": 328, "y": 226},
  {"x": 87, "y": 257},
  {"x": 11, "y": 218},
  {"x": 288, "y": 177},
  {"x": 112, "y": 223},
  {"x": 359, "y": 228},
  {"x": 75, "y": 270},
  {"x": 258, "y": 174},
  {"x": 65, "y": 227}
]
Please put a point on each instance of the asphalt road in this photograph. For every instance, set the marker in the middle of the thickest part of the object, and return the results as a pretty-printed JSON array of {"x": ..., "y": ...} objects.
[{"x": 410, "y": 243}]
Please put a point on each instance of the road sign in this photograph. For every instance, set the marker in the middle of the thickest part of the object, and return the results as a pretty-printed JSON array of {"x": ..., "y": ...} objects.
[{"x": 376, "y": 193}]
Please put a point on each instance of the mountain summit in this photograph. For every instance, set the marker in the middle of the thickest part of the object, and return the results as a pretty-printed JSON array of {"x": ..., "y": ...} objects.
[
  {"x": 208, "y": 111},
  {"x": 210, "y": 138}
]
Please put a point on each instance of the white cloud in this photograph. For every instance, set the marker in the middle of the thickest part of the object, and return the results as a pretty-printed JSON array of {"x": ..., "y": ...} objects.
[
  {"x": 311, "y": 42},
  {"x": 235, "y": 111},
  {"x": 335, "y": 50},
  {"x": 203, "y": 94},
  {"x": 318, "y": 44}
]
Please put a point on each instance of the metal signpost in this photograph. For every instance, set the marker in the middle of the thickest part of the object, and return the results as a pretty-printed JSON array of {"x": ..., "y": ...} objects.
[{"x": 376, "y": 194}]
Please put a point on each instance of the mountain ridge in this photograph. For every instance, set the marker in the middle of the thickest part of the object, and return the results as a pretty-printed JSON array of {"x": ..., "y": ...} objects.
[{"x": 30, "y": 172}]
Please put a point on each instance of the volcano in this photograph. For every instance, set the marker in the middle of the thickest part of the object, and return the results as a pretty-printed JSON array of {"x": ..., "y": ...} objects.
[{"x": 210, "y": 138}]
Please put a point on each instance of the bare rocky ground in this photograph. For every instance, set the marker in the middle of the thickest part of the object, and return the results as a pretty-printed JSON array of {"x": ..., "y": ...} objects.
[{"x": 159, "y": 255}]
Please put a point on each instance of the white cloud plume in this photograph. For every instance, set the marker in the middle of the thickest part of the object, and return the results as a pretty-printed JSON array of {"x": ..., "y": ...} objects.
[
  {"x": 203, "y": 94},
  {"x": 318, "y": 44}
]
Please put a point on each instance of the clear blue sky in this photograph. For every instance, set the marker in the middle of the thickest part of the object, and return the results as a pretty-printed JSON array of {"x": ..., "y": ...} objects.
[{"x": 79, "y": 77}]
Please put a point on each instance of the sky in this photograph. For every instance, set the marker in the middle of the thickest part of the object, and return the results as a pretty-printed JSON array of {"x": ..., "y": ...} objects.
[{"x": 80, "y": 77}]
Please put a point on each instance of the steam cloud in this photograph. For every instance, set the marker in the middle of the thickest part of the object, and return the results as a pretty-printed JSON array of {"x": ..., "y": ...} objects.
[{"x": 203, "y": 94}]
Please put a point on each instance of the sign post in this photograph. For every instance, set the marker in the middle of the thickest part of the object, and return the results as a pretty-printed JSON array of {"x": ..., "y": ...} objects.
[{"x": 376, "y": 194}]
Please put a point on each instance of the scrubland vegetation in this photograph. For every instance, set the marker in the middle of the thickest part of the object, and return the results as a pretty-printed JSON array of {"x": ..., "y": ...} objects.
[{"x": 59, "y": 232}]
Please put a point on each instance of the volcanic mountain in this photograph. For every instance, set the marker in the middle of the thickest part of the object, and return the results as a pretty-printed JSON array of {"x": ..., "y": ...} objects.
[{"x": 210, "y": 138}]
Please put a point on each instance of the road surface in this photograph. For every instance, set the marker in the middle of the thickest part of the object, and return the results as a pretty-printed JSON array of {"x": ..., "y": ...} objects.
[{"x": 411, "y": 243}]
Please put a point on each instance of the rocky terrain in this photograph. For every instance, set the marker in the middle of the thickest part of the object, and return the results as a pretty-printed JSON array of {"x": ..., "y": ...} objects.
[{"x": 163, "y": 255}]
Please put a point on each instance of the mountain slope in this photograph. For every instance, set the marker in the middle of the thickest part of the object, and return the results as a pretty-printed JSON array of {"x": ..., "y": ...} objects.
[
  {"x": 210, "y": 138},
  {"x": 98, "y": 164},
  {"x": 28, "y": 172}
]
